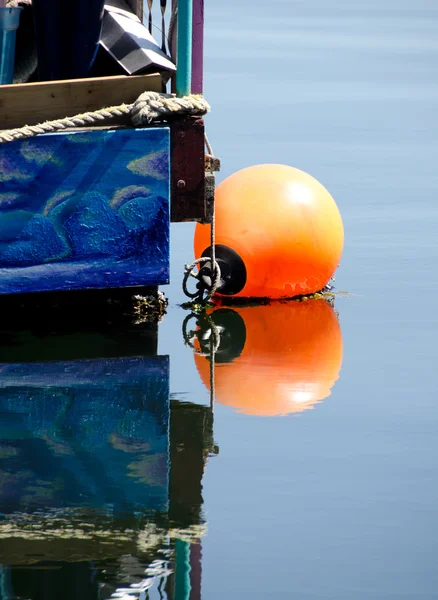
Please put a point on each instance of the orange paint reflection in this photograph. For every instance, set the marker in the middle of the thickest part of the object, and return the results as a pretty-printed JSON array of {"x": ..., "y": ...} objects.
[{"x": 274, "y": 360}]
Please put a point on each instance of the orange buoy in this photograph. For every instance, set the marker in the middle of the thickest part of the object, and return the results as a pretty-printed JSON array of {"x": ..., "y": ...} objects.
[
  {"x": 276, "y": 359},
  {"x": 279, "y": 233}
]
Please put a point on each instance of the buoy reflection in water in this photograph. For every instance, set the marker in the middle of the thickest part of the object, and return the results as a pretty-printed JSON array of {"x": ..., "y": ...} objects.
[{"x": 272, "y": 360}]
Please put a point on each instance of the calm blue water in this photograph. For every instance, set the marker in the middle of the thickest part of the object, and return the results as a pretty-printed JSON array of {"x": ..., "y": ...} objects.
[{"x": 335, "y": 502}]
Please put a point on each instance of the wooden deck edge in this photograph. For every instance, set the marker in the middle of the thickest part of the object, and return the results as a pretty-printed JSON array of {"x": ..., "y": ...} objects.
[{"x": 33, "y": 103}]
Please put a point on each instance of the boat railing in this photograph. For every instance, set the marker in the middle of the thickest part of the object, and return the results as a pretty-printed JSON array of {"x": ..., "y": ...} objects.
[{"x": 179, "y": 27}]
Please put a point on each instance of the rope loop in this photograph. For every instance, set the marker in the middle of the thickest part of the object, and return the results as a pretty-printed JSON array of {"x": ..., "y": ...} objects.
[
  {"x": 149, "y": 107},
  {"x": 202, "y": 286},
  {"x": 213, "y": 331}
]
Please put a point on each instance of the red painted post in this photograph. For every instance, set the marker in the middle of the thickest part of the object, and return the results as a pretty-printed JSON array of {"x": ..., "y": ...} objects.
[
  {"x": 188, "y": 170},
  {"x": 198, "y": 47}
]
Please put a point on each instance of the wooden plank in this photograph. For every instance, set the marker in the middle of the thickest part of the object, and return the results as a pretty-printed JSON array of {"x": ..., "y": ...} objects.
[
  {"x": 187, "y": 171},
  {"x": 212, "y": 163},
  {"x": 210, "y": 187},
  {"x": 32, "y": 103},
  {"x": 85, "y": 210}
]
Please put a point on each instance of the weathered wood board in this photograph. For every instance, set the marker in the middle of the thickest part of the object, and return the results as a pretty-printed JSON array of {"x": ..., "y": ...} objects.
[
  {"x": 85, "y": 210},
  {"x": 188, "y": 170},
  {"x": 33, "y": 103}
]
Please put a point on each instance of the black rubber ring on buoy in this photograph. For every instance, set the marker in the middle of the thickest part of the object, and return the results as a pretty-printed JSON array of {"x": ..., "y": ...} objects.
[{"x": 233, "y": 270}]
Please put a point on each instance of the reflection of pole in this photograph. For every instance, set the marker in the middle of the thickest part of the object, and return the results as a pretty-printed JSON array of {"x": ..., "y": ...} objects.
[
  {"x": 170, "y": 582},
  {"x": 212, "y": 353},
  {"x": 196, "y": 570},
  {"x": 182, "y": 570},
  {"x": 191, "y": 439},
  {"x": 6, "y": 591}
]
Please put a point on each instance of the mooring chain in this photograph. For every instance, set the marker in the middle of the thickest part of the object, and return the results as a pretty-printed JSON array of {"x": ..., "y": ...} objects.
[{"x": 203, "y": 285}]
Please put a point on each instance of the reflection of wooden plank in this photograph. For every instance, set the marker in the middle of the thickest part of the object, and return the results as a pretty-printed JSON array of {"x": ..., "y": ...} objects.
[{"x": 32, "y": 103}]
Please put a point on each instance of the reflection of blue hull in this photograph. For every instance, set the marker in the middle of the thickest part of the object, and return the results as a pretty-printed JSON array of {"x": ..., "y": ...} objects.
[
  {"x": 89, "y": 435},
  {"x": 85, "y": 210},
  {"x": 97, "y": 479},
  {"x": 94, "y": 274}
]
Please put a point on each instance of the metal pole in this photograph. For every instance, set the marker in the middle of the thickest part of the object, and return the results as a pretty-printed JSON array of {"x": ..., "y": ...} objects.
[{"x": 184, "y": 48}]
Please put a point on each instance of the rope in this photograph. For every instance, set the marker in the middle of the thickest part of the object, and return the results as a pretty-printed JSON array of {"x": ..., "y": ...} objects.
[
  {"x": 152, "y": 106},
  {"x": 216, "y": 271},
  {"x": 189, "y": 272},
  {"x": 215, "y": 340},
  {"x": 189, "y": 335},
  {"x": 88, "y": 118},
  {"x": 172, "y": 30},
  {"x": 213, "y": 351},
  {"x": 149, "y": 107},
  {"x": 208, "y": 146}
]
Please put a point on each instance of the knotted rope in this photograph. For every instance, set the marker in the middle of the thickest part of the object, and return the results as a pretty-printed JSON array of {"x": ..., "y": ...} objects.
[{"x": 150, "y": 107}]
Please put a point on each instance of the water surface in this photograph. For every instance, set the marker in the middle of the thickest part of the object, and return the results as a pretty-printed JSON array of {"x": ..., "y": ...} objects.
[{"x": 317, "y": 477}]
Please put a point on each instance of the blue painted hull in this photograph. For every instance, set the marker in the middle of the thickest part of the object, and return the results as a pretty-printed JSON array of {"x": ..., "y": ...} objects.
[{"x": 85, "y": 210}]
